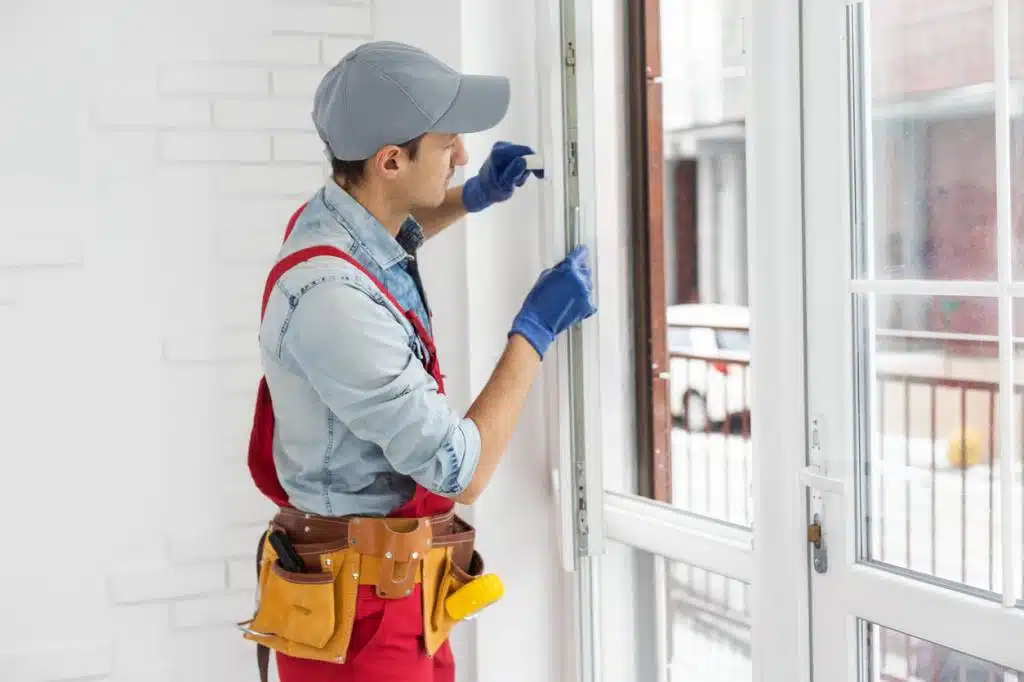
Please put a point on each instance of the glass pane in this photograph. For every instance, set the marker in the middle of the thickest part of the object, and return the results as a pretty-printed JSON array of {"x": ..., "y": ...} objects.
[
  {"x": 1016, "y": 24},
  {"x": 929, "y": 178},
  {"x": 711, "y": 459},
  {"x": 1016, "y": 107},
  {"x": 891, "y": 656},
  {"x": 703, "y": 411},
  {"x": 1018, "y": 416},
  {"x": 660, "y": 616},
  {"x": 927, "y": 397},
  {"x": 1017, "y": 169},
  {"x": 709, "y": 398},
  {"x": 708, "y": 323}
]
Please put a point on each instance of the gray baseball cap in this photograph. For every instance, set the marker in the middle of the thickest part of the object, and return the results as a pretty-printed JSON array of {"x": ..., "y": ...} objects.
[{"x": 385, "y": 93}]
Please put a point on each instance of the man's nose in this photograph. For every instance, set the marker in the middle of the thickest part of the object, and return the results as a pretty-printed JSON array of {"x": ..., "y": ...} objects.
[{"x": 461, "y": 155}]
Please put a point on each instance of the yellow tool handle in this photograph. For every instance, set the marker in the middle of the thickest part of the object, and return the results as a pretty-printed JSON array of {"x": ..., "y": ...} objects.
[{"x": 474, "y": 596}]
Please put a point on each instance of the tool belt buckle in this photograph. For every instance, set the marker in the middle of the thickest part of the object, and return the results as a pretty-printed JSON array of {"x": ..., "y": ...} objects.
[{"x": 400, "y": 545}]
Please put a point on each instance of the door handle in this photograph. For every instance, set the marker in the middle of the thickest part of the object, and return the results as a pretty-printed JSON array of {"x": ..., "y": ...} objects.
[{"x": 815, "y": 480}]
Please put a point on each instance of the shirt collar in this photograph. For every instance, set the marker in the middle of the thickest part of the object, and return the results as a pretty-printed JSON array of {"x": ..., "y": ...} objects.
[{"x": 384, "y": 249}]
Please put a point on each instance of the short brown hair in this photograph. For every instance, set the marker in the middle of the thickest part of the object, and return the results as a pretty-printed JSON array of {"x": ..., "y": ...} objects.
[{"x": 351, "y": 173}]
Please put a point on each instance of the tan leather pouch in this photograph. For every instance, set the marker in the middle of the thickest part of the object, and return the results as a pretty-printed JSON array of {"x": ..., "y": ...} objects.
[
  {"x": 310, "y": 614},
  {"x": 441, "y": 578},
  {"x": 298, "y": 607}
]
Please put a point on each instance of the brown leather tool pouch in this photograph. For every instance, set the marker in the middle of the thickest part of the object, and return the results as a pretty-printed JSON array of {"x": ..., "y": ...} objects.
[
  {"x": 442, "y": 576},
  {"x": 311, "y": 614},
  {"x": 308, "y": 614},
  {"x": 299, "y": 607}
]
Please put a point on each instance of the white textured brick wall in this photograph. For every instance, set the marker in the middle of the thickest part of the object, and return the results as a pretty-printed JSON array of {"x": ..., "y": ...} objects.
[{"x": 151, "y": 153}]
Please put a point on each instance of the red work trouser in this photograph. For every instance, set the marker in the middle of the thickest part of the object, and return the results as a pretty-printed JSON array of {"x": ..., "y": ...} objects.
[{"x": 387, "y": 646}]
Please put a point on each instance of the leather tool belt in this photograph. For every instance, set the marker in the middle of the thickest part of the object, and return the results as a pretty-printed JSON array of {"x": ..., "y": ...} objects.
[{"x": 309, "y": 614}]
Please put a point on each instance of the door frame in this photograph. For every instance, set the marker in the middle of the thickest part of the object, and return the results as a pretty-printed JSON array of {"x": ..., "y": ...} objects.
[
  {"x": 775, "y": 219},
  {"x": 646, "y": 143}
]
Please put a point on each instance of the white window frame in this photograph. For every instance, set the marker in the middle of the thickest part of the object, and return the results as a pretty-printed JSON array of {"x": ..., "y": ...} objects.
[
  {"x": 571, "y": 374},
  {"x": 781, "y": 626},
  {"x": 774, "y": 553},
  {"x": 850, "y": 590}
]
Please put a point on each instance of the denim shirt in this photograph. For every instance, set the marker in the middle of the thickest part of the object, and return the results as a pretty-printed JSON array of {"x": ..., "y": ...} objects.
[{"x": 359, "y": 421}]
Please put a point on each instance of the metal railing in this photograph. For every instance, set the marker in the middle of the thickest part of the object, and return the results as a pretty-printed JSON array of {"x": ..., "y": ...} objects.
[
  {"x": 711, "y": 469},
  {"x": 951, "y": 477},
  {"x": 936, "y": 508},
  {"x": 713, "y": 612},
  {"x": 711, "y": 456},
  {"x": 932, "y": 487}
]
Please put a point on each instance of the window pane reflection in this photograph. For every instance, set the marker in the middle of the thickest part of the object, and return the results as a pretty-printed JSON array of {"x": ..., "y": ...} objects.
[
  {"x": 928, "y": 392},
  {"x": 664, "y": 617},
  {"x": 708, "y": 323},
  {"x": 931, "y": 139},
  {"x": 891, "y": 656}
]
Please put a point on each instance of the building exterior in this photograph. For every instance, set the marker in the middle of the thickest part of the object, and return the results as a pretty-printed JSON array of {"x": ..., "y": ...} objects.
[{"x": 933, "y": 145}]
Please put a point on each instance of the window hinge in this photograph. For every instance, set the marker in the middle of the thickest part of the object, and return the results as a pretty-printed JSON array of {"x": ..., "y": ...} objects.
[
  {"x": 570, "y": 56},
  {"x": 582, "y": 527}
]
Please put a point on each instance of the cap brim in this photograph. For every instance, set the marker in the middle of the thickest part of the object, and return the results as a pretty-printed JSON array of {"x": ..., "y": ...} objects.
[{"x": 481, "y": 103}]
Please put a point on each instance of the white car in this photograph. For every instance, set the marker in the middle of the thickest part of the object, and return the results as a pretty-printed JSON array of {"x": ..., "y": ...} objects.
[{"x": 709, "y": 363}]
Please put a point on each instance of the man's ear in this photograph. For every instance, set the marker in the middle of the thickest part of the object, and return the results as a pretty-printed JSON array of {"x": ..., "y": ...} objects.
[{"x": 387, "y": 161}]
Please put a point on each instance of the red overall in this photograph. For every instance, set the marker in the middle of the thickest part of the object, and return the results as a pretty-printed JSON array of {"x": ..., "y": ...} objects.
[{"x": 386, "y": 642}]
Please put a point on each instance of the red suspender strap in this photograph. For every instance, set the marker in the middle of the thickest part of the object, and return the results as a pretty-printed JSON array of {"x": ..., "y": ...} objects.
[
  {"x": 261, "y": 459},
  {"x": 302, "y": 255},
  {"x": 290, "y": 261},
  {"x": 292, "y": 221}
]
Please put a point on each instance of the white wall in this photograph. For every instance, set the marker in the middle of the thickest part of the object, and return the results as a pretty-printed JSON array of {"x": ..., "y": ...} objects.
[{"x": 151, "y": 152}]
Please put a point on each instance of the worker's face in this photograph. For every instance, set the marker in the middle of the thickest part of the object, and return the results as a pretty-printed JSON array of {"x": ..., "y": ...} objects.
[{"x": 427, "y": 176}]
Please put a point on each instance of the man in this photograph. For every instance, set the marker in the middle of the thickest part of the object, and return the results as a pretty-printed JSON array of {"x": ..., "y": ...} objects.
[{"x": 353, "y": 436}]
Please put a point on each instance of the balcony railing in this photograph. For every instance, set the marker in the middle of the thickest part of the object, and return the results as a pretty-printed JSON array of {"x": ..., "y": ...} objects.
[{"x": 932, "y": 487}]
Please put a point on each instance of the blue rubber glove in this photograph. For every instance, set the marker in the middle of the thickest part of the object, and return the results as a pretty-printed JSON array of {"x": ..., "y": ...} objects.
[
  {"x": 561, "y": 297},
  {"x": 503, "y": 171}
]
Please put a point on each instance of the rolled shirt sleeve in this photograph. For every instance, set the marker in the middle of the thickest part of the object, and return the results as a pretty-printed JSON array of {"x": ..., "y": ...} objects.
[{"x": 357, "y": 357}]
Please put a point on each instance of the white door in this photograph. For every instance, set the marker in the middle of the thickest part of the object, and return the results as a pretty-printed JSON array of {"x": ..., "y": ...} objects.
[{"x": 913, "y": 404}]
